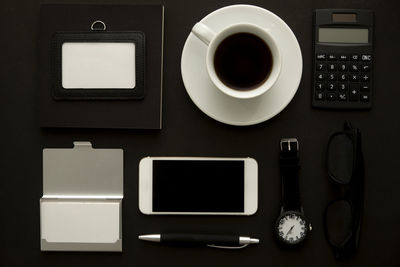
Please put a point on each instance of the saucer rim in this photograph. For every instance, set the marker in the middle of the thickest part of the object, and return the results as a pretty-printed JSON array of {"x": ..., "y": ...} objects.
[{"x": 296, "y": 46}]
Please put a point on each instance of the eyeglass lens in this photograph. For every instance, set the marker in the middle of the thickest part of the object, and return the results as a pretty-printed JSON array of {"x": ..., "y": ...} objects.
[{"x": 338, "y": 219}]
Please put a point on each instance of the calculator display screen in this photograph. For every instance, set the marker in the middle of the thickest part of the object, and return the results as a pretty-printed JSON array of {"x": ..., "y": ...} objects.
[{"x": 343, "y": 35}]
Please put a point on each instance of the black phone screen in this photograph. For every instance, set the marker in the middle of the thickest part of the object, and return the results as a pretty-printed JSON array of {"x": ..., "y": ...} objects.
[{"x": 198, "y": 185}]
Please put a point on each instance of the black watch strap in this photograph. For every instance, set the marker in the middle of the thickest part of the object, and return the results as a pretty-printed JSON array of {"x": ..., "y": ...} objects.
[{"x": 289, "y": 168}]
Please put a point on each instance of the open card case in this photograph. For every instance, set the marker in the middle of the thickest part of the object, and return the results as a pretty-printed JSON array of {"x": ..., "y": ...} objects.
[{"x": 81, "y": 207}]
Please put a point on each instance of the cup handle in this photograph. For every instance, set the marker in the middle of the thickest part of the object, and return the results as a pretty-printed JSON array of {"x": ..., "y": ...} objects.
[{"x": 204, "y": 33}]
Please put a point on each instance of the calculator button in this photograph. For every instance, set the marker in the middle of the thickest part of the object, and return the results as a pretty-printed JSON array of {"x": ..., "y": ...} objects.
[
  {"x": 355, "y": 57},
  {"x": 332, "y": 77},
  {"x": 343, "y": 77},
  {"x": 332, "y": 86},
  {"x": 320, "y": 86},
  {"x": 320, "y": 76},
  {"x": 354, "y": 77},
  {"x": 321, "y": 56},
  {"x": 354, "y": 67},
  {"x": 365, "y": 87},
  {"x": 332, "y": 57},
  {"x": 354, "y": 95},
  {"x": 331, "y": 96},
  {"x": 365, "y": 77},
  {"x": 343, "y": 86},
  {"x": 342, "y": 96},
  {"x": 366, "y": 67},
  {"x": 321, "y": 67},
  {"x": 331, "y": 67},
  {"x": 319, "y": 96},
  {"x": 366, "y": 57},
  {"x": 343, "y": 57},
  {"x": 343, "y": 67},
  {"x": 355, "y": 86},
  {"x": 364, "y": 97}
]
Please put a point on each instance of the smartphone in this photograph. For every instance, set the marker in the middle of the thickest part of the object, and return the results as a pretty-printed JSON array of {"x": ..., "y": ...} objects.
[{"x": 198, "y": 186}]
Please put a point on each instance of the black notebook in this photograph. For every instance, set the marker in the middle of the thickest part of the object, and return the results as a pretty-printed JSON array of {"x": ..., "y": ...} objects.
[{"x": 101, "y": 66}]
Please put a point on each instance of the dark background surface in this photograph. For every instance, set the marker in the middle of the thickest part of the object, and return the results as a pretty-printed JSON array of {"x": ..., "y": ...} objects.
[{"x": 188, "y": 132}]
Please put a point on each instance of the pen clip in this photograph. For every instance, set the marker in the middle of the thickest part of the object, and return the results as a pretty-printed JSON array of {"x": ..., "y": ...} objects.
[{"x": 225, "y": 247}]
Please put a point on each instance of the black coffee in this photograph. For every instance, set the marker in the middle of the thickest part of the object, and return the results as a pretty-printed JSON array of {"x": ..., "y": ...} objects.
[{"x": 243, "y": 61}]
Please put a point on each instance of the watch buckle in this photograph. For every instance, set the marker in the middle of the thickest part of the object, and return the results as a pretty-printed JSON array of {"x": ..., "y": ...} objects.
[{"x": 291, "y": 143}]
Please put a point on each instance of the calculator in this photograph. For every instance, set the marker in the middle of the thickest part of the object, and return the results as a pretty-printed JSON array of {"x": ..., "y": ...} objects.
[{"x": 343, "y": 59}]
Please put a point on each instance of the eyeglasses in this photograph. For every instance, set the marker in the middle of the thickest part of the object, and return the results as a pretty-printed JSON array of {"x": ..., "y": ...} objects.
[{"x": 345, "y": 165}]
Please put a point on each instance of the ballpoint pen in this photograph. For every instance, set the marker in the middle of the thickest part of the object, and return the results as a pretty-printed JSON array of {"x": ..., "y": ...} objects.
[{"x": 216, "y": 241}]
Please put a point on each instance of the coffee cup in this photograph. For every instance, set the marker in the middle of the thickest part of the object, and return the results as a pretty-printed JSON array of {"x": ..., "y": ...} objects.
[{"x": 243, "y": 60}]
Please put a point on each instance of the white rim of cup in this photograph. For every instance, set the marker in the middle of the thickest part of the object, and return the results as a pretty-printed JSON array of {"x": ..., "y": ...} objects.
[{"x": 268, "y": 39}]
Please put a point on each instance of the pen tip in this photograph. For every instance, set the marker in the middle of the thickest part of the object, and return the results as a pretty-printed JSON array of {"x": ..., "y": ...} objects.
[{"x": 152, "y": 238}]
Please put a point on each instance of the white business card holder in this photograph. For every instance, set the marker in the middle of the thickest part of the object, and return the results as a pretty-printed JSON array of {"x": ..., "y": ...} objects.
[{"x": 81, "y": 207}]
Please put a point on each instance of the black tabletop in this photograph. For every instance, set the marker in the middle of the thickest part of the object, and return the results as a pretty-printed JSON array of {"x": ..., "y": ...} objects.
[{"x": 189, "y": 132}]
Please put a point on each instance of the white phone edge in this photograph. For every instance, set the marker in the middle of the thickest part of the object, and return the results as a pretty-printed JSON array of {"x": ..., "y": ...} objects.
[{"x": 146, "y": 185}]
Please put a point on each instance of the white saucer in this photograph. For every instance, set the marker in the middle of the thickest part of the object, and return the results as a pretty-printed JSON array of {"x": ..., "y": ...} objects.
[{"x": 222, "y": 107}]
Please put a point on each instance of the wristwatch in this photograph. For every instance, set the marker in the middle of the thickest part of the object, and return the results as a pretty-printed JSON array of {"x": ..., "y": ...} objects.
[{"x": 291, "y": 227}]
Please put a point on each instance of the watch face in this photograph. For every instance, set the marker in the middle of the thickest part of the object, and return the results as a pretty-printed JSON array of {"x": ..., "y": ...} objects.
[{"x": 291, "y": 228}]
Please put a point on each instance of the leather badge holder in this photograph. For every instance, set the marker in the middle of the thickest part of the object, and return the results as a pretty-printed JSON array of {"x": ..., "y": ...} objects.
[{"x": 98, "y": 65}]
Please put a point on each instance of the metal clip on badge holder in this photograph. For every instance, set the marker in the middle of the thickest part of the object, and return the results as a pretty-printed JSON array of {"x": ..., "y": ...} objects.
[{"x": 99, "y": 23}]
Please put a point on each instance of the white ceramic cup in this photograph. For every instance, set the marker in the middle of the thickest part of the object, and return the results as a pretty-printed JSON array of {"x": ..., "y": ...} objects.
[{"x": 213, "y": 40}]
